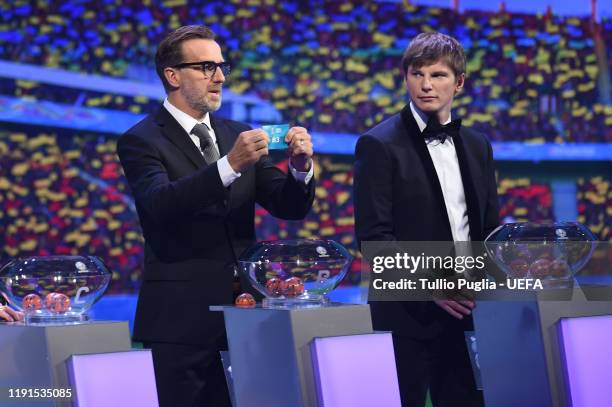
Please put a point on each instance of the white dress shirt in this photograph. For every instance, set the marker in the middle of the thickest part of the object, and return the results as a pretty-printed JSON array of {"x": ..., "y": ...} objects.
[
  {"x": 444, "y": 157},
  {"x": 226, "y": 172}
]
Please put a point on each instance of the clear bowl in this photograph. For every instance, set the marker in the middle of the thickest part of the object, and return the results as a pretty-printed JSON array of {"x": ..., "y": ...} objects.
[
  {"x": 295, "y": 272},
  {"x": 552, "y": 252},
  {"x": 54, "y": 289}
]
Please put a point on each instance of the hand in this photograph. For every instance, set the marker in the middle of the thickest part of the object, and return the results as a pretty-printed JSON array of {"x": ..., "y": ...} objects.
[
  {"x": 9, "y": 314},
  {"x": 249, "y": 147},
  {"x": 456, "y": 308},
  {"x": 300, "y": 148},
  {"x": 458, "y": 303}
]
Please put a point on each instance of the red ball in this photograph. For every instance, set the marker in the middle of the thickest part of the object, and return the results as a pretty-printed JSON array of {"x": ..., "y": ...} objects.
[
  {"x": 559, "y": 269},
  {"x": 519, "y": 268},
  {"x": 49, "y": 300},
  {"x": 273, "y": 287},
  {"x": 57, "y": 303},
  {"x": 546, "y": 253},
  {"x": 293, "y": 287},
  {"x": 245, "y": 300},
  {"x": 31, "y": 302},
  {"x": 524, "y": 254},
  {"x": 540, "y": 268}
]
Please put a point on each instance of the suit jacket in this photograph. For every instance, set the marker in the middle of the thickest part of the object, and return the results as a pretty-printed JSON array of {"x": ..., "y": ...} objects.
[
  {"x": 194, "y": 227},
  {"x": 398, "y": 197}
]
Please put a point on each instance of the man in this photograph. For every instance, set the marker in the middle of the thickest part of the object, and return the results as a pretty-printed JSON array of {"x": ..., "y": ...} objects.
[
  {"x": 414, "y": 182},
  {"x": 195, "y": 179}
]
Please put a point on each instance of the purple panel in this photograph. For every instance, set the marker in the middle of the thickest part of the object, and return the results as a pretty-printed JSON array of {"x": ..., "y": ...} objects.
[
  {"x": 356, "y": 370},
  {"x": 114, "y": 379},
  {"x": 588, "y": 359}
]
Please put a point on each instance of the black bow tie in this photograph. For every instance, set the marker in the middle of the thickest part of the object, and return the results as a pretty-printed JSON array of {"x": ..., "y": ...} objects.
[{"x": 435, "y": 130}]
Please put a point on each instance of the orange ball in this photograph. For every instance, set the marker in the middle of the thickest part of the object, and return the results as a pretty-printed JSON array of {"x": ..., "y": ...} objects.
[
  {"x": 31, "y": 302},
  {"x": 293, "y": 287},
  {"x": 245, "y": 300},
  {"x": 560, "y": 269},
  {"x": 519, "y": 268},
  {"x": 57, "y": 303},
  {"x": 540, "y": 268},
  {"x": 49, "y": 300},
  {"x": 273, "y": 287}
]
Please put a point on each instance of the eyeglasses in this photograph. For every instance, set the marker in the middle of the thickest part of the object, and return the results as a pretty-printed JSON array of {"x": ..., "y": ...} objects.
[{"x": 208, "y": 67}]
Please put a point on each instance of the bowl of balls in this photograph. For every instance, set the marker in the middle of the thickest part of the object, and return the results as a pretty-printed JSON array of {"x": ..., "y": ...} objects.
[
  {"x": 54, "y": 289},
  {"x": 550, "y": 252},
  {"x": 292, "y": 273}
]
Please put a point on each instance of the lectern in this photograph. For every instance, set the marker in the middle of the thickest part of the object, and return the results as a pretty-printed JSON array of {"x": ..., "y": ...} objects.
[
  {"x": 270, "y": 349},
  {"x": 34, "y": 356},
  {"x": 520, "y": 348}
]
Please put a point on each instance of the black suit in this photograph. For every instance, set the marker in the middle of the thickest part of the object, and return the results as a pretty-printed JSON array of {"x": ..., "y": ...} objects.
[
  {"x": 194, "y": 229},
  {"x": 398, "y": 197}
]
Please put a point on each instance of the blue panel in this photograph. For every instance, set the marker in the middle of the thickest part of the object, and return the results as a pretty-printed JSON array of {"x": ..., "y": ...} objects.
[
  {"x": 564, "y": 200},
  {"x": 15, "y": 110},
  {"x": 516, "y": 151},
  {"x": 115, "y": 307},
  {"x": 511, "y": 354}
]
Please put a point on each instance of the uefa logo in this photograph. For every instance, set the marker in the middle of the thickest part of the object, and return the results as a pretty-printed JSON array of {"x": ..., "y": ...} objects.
[
  {"x": 322, "y": 251},
  {"x": 561, "y": 234},
  {"x": 80, "y": 266}
]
